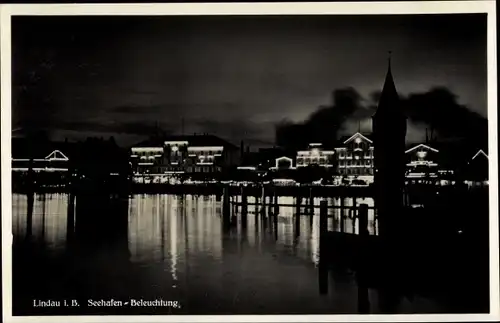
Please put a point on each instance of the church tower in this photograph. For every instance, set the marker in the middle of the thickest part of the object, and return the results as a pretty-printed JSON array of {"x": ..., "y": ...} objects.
[{"x": 389, "y": 139}]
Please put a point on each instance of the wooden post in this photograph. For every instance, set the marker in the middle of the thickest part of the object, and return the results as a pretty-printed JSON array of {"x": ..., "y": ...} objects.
[
  {"x": 263, "y": 201},
  {"x": 70, "y": 224},
  {"x": 342, "y": 215},
  {"x": 323, "y": 218},
  {"x": 354, "y": 214},
  {"x": 297, "y": 205},
  {"x": 29, "y": 220},
  {"x": 363, "y": 299},
  {"x": 276, "y": 206},
  {"x": 363, "y": 220},
  {"x": 297, "y": 214},
  {"x": 275, "y": 223},
  {"x": 311, "y": 202},
  {"x": 226, "y": 207},
  {"x": 323, "y": 242},
  {"x": 244, "y": 207}
]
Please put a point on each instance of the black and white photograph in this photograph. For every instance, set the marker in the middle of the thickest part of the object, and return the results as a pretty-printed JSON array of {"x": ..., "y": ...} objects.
[{"x": 241, "y": 162}]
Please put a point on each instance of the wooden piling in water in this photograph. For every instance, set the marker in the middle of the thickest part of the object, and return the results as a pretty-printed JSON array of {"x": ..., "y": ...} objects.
[
  {"x": 361, "y": 274},
  {"x": 297, "y": 205},
  {"x": 70, "y": 224},
  {"x": 363, "y": 220},
  {"x": 276, "y": 206},
  {"x": 323, "y": 218},
  {"x": 311, "y": 202},
  {"x": 244, "y": 207},
  {"x": 275, "y": 226},
  {"x": 226, "y": 206},
  {"x": 263, "y": 201},
  {"x": 342, "y": 214},
  {"x": 323, "y": 231},
  {"x": 297, "y": 215}
]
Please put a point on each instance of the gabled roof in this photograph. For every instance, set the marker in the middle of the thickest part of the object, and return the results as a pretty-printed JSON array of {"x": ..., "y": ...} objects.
[
  {"x": 285, "y": 157},
  {"x": 347, "y": 139},
  {"x": 22, "y": 148},
  {"x": 479, "y": 153},
  {"x": 57, "y": 155},
  {"x": 423, "y": 146}
]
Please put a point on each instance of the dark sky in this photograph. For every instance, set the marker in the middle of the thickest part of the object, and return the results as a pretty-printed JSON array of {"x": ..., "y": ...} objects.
[{"x": 232, "y": 76}]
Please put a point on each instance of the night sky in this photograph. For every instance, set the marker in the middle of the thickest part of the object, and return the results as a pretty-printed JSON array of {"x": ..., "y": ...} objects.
[{"x": 235, "y": 77}]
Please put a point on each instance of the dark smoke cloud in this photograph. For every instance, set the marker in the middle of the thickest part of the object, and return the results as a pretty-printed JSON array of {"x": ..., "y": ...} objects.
[
  {"x": 322, "y": 125},
  {"x": 436, "y": 110}
]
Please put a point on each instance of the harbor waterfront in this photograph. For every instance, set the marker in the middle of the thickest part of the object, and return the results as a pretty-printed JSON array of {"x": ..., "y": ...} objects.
[
  {"x": 264, "y": 164},
  {"x": 178, "y": 248}
]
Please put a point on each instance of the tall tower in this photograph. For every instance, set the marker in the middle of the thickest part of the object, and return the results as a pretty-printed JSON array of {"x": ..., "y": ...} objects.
[{"x": 389, "y": 134}]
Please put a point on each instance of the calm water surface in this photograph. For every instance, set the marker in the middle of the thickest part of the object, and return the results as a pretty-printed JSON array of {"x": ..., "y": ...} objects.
[{"x": 175, "y": 248}]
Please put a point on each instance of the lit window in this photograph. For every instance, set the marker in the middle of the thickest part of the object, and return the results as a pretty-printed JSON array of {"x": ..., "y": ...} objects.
[{"x": 421, "y": 154}]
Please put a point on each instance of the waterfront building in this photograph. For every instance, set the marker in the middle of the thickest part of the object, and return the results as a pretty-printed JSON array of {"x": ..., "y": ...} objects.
[
  {"x": 421, "y": 163},
  {"x": 173, "y": 155},
  {"x": 283, "y": 162},
  {"x": 317, "y": 155},
  {"x": 44, "y": 156},
  {"x": 477, "y": 169},
  {"x": 355, "y": 157},
  {"x": 146, "y": 157}
]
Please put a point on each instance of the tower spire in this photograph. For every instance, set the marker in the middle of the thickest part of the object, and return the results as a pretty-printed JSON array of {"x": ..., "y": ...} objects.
[
  {"x": 389, "y": 54},
  {"x": 389, "y": 97}
]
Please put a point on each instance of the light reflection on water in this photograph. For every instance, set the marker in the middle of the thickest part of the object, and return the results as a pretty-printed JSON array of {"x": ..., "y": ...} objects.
[
  {"x": 183, "y": 250},
  {"x": 49, "y": 219}
]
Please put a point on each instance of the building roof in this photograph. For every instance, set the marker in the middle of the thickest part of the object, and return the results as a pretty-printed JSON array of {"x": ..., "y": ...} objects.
[
  {"x": 480, "y": 153},
  {"x": 22, "y": 148},
  {"x": 193, "y": 140},
  {"x": 151, "y": 142},
  {"x": 344, "y": 139},
  {"x": 416, "y": 146}
]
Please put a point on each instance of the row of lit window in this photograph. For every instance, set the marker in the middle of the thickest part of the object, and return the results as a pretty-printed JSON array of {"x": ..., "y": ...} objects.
[
  {"x": 355, "y": 162},
  {"x": 367, "y": 154},
  {"x": 308, "y": 161},
  {"x": 206, "y": 169},
  {"x": 356, "y": 171}
]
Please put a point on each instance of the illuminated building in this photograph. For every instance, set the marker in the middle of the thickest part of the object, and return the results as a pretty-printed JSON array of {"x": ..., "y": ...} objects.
[
  {"x": 56, "y": 161},
  {"x": 355, "y": 157},
  {"x": 147, "y": 158},
  {"x": 477, "y": 169},
  {"x": 183, "y": 154},
  {"x": 175, "y": 153},
  {"x": 283, "y": 162},
  {"x": 421, "y": 163},
  {"x": 315, "y": 155},
  {"x": 40, "y": 157}
]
